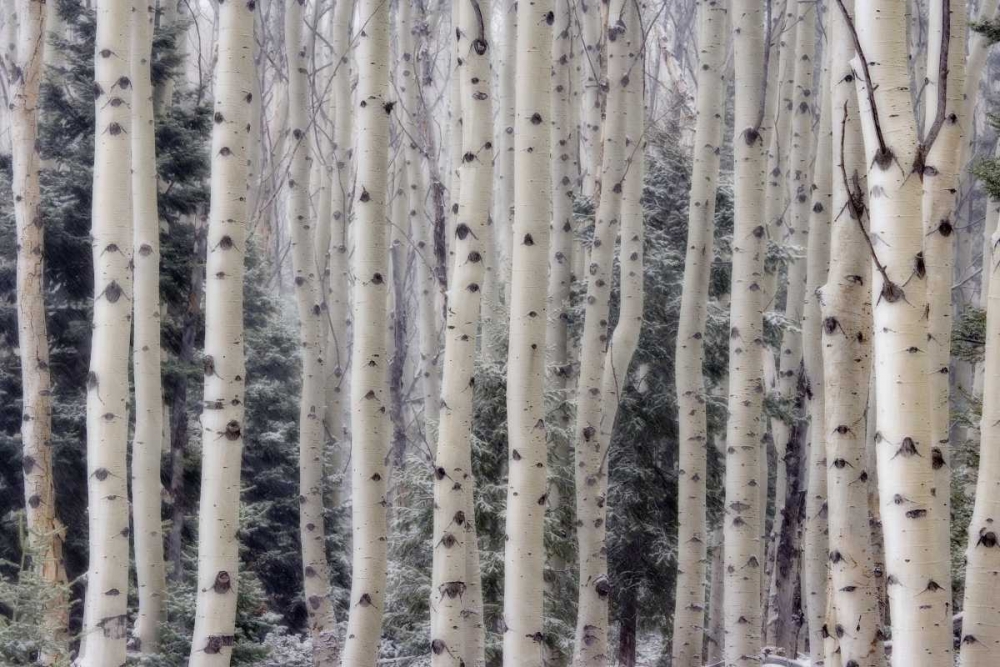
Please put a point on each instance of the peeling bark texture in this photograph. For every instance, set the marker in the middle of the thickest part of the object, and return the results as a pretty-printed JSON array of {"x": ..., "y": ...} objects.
[
  {"x": 746, "y": 348},
  {"x": 692, "y": 535},
  {"x": 225, "y": 369},
  {"x": 940, "y": 183},
  {"x": 590, "y": 13},
  {"x": 919, "y": 603},
  {"x": 604, "y": 366},
  {"x": 816, "y": 572},
  {"x": 105, "y": 612},
  {"x": 338, "y": 302},
  {"x": 524, "y": 553},
  {"x": 369, "y": 361},
  {"x": 456, "y": 596},
  {"x": 792, "y": 229},
  {"x": 45, "y": 531},
  {"x": 147, "y": 441},
  {"x": 308, "y": 286},
  {"x": 846, "y": 332}
]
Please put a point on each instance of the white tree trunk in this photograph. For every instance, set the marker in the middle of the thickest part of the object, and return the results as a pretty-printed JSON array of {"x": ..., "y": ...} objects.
[
  {"x": 816, "y": 573},
  {"x": 107, "y": 382},
  {"x": 147, "y": 440},
  {"x": 846, "y": 337},
  {"x": 692, "y": 531},
  {"x": 940, "y": 182},
  {"x": 980, "y": 611},
  {"x": 45, "y": 531},
  {"x": 504, "y": 141},
  {"x": 919, "y": 604},
  {"x": 308, "y": 287},
  {"x": 592, "y": 25},
  {"x": 456, "y": 596},
  {"x": 369, "y": 361},
  {"x": 338, "y": 300},
  {"x": 595, "y": 408},
  {"x": 524, "y": 552},
  {"x": 746, "y": 348},
  {"x": 223, "y": 416}
]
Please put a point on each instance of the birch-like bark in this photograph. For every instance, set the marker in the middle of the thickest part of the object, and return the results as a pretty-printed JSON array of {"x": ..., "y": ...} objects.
[
  {"x": 524, "y": 552},
  {"x": 980, "y": 611},
  {"x": 592, "y": 26},
  {"x": 456, "y": 597},
  {"x": 308, "y": 288},
  {"x": 504, "y": 141},
  {"x": 692, "y": 528},
  {"x": 775, "y": 211},
  {"x": 940, "y": 182},
  {"x": 428, "y": 313},
  {"x": 369, "y": 361},
  {"x": 746, "y": 347},
  {"x": 105, "y": 611},
  {"x": 846, "y": 337},
  {"x": 147, "y": 440},
  {"x": 595, "y": 407},
  {"x": 919, "y": 603},
  {"x": 45, "y": 531},
  {"x": 225, "y": 366},
  {"x": 816, "y": 575},
  {"x": 564, "y": 136},
  {"x": 338, "y": 303}
]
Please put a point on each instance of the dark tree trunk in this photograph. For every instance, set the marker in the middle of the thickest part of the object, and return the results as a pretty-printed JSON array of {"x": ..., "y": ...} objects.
[
  {"x": 628, "y": 620},
  {"x": 398, "y": 362},
  {"x": 179, "y": 409},
  {"x": 786, "y": 617}
]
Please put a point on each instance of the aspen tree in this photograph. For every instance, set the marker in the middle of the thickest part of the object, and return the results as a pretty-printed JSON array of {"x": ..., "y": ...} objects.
[
  {"x": 846, "y": 337},
  {"x": 919, "y": 604},
  {"x": 369, "y": 361},
  {"x": 456, "y": 596},
  {"x": 980, "y": 612},
  {"x": 792, "y": 229},
  {"x": 146, "y": 358},
  {"x": 524, "y": 551},
  {"x": 746, "y": 347},
  {"x": 564, "y": 187},
  {"x": 105, "y": 611},
  {"x": 337, "y": 268},
  {"x": 692, "y": 536},
  {"x": 776, "y": 203},
  {"x": 589, "y": 14},
  {"x": 604, "y": 365},
  {"x": 564, "y": 136},
  {"x": 222, "y": 420},
  {"x": 504, "y": 140},
  {"x": 943, "y": 112},
  {"x": 428, "y": 313},
  {"x": 816, "y": 575},
  {"x": 45, "y": 531},
  {"x": 308, "y": 285}
]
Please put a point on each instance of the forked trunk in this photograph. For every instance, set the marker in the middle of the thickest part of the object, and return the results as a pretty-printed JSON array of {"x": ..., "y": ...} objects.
[{"x": 919, "y": 603}]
